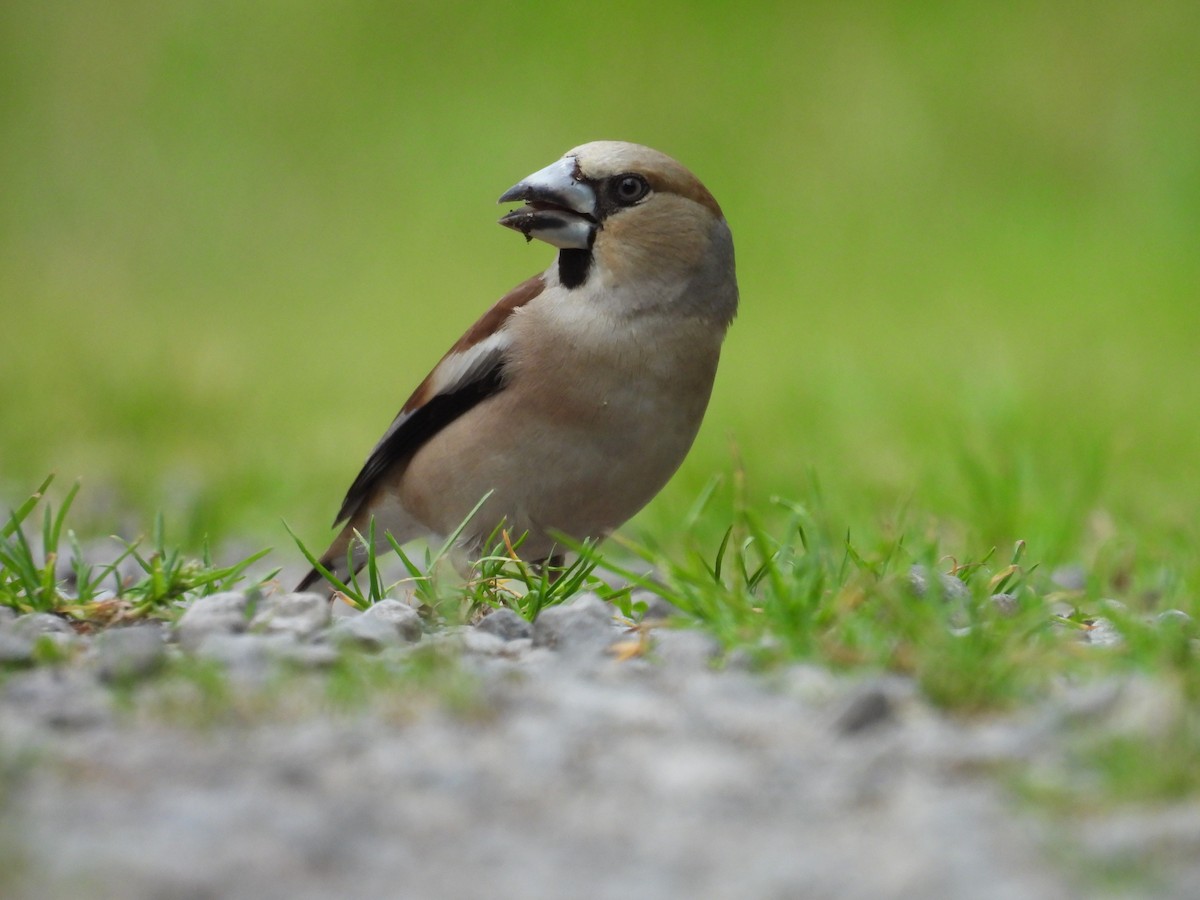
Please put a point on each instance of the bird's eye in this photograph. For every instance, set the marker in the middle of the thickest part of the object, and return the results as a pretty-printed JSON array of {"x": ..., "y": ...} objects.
[{"x": 629, "y": 189}]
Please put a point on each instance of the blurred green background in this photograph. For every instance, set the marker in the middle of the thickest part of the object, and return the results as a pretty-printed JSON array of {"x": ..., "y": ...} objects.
[{"x": 233, "y": 236}]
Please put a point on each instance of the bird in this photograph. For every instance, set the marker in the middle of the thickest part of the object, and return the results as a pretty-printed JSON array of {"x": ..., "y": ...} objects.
[{"x": 568, "y": 405}]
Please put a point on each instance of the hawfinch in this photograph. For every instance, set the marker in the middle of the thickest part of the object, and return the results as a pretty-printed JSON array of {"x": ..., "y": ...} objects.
[{"x": 573, "y": 400}]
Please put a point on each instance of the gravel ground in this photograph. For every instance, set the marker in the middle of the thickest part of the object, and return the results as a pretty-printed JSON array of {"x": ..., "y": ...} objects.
[{"x": 572, "y": 759}]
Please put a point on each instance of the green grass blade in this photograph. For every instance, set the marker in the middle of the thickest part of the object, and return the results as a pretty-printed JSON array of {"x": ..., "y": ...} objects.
[
  {"x": 53, "y": 528},
  {"x": 374, "y": 580},
  {"x": 449, "y": 543},
  {"x": 17, "y": 516},
  {"x": 325, "y": 573}
]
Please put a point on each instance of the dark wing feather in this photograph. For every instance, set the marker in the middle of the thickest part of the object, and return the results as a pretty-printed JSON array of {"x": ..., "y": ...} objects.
[
  {"x": 472, "y": 371},
  {"x": 413, "y": 428}
]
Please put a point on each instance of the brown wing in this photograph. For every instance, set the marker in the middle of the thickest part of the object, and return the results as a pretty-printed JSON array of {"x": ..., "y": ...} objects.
[{"x": 471, "y": 371}]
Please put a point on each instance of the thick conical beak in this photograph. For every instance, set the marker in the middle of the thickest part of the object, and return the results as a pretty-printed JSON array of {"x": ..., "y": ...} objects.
[{"x": 559, "y": 206}]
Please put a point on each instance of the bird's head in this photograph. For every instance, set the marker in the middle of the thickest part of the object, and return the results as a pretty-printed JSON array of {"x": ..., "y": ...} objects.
[{"x": 625, "y": 214}]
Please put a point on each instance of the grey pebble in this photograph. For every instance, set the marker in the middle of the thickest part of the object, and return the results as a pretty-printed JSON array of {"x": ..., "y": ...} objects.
[
  {"x": 482, "y": 642},
  {"x": 951, "y": 588},
  {"x": 1070, "y": 577},
  {"x": 132, "y": 652},
  {"x": 518, "y": 646},
  {"x": 864, "y": 711},
  {"x": 255, "y": 655},
  {"x": 1081, "y": 704},
  {"x": 1063, "y": 609},
  {"x": 1145, "y": 836},
  {"x": 34, "y": 625},
  {"x": 387, "y": 623},
  {"x": 685, "y": 648},
  {"x": 582, "y": 626},
  {"x": 8, "y": 615},
  {"x": 1102, "y": 633},
  {"x": 400, "y": 616},
  {"x": 44, "y": 627},
  {"x": 59, "y": 698},
  {"x": 810, "y": 682},
  {"x": 1113, "y": 605},
  {"x": 657, "y": 607},
  {"x": 306, "y": 656},
  {"x": 302, "y": 615},
  {"x": 1145, "y": 707},
  {"x": 1128, "y": 706},
  {"x": 867, "y": 707},
  {"x": 505, "y": 624},
  {"x": 1174, "y": 617},
  {"x": 372, "y": 635},
  {"x": 342, "y": 609},
  {"x": 244, "y": 653},
  {"x": 216, "y": 614},
  {"x": 1006, "y": 604},
  {"x": 15, "y": 650}
]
